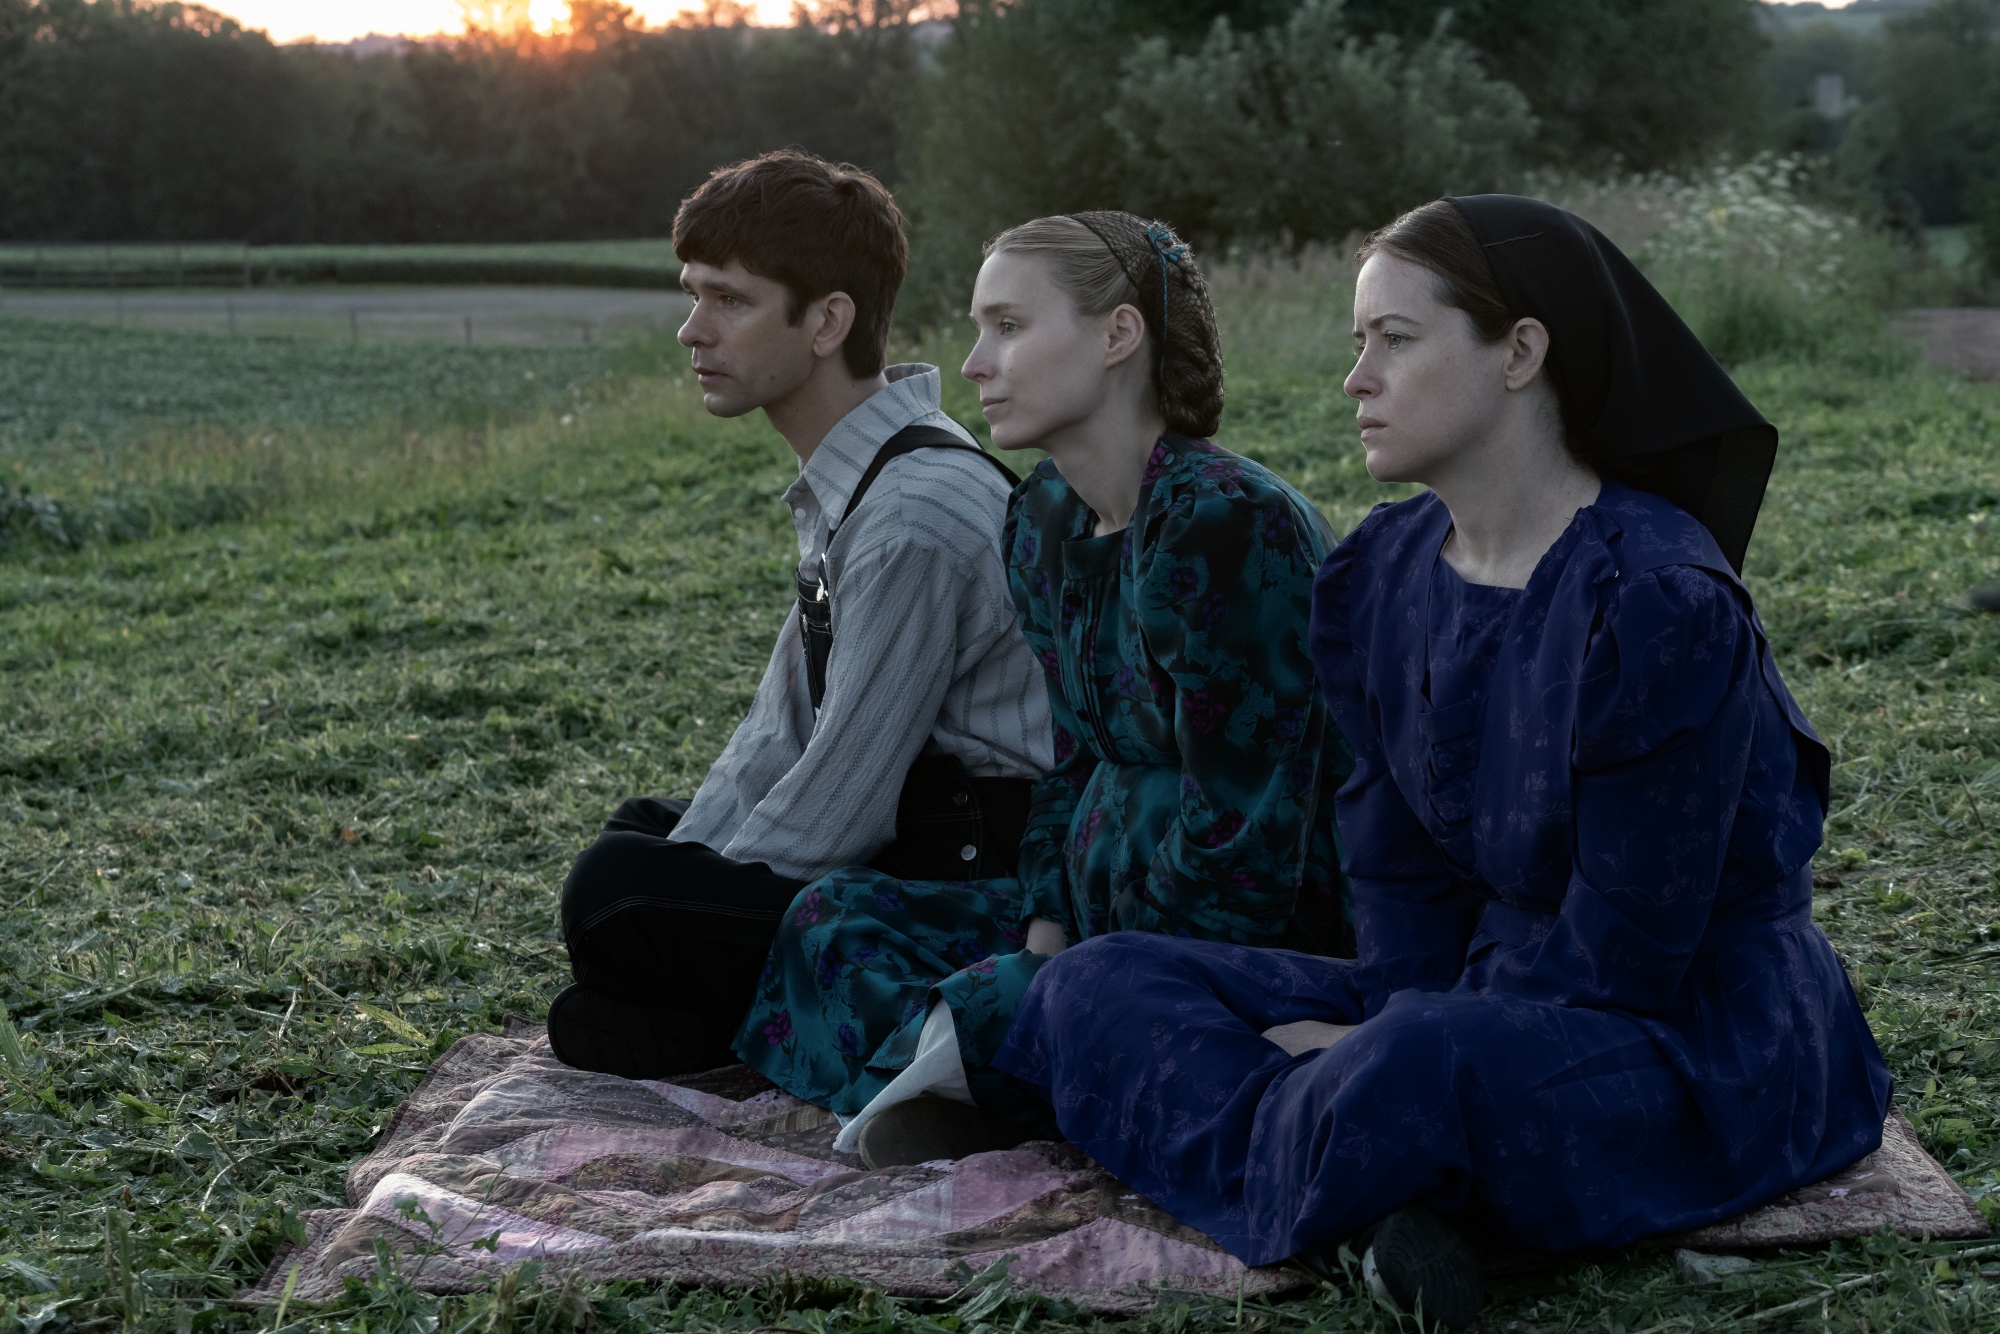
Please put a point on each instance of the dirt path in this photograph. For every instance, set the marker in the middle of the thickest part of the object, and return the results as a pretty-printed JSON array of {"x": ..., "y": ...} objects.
[
  {"x": 512, "y": 316},
  {"x": 1966, "y": 340}
]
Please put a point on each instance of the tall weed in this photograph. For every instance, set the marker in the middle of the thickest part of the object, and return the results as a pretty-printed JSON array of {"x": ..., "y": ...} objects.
[
  {"x": 1288, "y": 313},
  {"x": 1756, "y": 268}
]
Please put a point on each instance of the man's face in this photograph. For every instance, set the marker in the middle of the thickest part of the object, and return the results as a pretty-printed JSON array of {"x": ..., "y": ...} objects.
[{"x": 746, "y": 352}]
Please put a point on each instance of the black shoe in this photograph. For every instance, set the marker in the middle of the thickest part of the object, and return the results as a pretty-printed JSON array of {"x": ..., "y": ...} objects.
[
  {"x": 1418, "y": 1262},
  {"x": 589, "y": 1031},
  {"x": 927, "y": 1128}
]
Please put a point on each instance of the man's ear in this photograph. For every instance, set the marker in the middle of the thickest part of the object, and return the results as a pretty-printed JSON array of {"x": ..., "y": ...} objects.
[{"x": 833, "y": 319}]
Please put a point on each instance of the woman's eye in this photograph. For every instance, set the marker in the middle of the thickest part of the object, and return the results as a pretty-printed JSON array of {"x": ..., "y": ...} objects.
[
  {"x": 1395, "y": 340},
  {"x": 1008, "y": 326}
]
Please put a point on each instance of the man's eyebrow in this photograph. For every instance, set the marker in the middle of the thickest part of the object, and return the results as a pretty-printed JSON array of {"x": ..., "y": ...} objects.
[{"x": 720, "y": 287}]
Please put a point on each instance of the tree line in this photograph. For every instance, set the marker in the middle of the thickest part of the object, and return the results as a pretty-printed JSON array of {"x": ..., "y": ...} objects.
[
  {"x": 1241, "y": 120},
  {"x": 124, "y": 120},
  {"x": 1918, "y": 135}
]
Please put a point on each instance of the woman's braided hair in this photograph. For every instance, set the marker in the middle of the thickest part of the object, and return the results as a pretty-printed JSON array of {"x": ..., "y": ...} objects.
[{"x": 1106, "y": 259}]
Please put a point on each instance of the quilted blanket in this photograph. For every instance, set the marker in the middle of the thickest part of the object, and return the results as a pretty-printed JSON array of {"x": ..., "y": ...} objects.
[{"x": 503, "y": 1154}]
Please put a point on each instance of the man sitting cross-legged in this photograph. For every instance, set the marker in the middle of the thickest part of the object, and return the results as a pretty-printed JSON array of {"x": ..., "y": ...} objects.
[{"x": 901, "y": 716}]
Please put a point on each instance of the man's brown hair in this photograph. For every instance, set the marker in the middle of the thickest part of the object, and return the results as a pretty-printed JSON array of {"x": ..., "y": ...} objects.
[{"x": 812, "y": 225}]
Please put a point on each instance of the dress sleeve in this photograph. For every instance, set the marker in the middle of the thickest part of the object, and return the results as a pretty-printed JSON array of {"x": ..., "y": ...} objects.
[
  {"x": 1027, "y": 538},
  {"x": 1051, "y": 809},
  {"x": 1666, "y": 711},
  {"x": 1224, "y": 604},
  {"x": 1413, "y": 919}
]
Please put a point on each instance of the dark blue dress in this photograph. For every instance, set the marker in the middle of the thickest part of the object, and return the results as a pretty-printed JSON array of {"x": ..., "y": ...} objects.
[{"x": 1593, "y": 1004}]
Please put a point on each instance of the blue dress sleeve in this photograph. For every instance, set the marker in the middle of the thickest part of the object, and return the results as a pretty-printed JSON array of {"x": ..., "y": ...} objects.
[
  {"x": 1224, "y": 605},
  {"x": 1413, "y": 919},
  {"x": 1666, "y": 710},
  {"x": 1052, "y": 807},
  {"x": 1031, "y": 537}
]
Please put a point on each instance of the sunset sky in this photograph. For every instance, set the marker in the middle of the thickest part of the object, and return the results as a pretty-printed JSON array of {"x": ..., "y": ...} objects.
[{"x": 343, "y": 20}]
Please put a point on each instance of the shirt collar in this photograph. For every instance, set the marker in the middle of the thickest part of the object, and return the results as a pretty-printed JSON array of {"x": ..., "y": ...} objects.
[{"x": 835, "y": 468}]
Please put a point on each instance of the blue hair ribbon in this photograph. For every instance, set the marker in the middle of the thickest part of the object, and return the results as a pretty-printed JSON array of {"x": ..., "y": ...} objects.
[{"x": 1171, "y": 250}]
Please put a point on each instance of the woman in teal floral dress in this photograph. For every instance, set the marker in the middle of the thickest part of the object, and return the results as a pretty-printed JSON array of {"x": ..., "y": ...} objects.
[{"x": 1165, "y": 584}]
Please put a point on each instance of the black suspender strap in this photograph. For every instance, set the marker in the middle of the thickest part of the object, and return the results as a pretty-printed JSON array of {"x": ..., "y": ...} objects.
[
  {"x": 908, "y": 441},
  {"x": 815, "y": 610}
]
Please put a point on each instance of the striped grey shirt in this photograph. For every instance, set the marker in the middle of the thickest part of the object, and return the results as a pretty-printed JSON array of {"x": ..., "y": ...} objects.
[{"x": 926, "y": 651}]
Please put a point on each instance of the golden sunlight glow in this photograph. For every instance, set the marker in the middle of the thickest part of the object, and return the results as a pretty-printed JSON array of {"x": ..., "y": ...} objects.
[{"x": 345, "y": 20}]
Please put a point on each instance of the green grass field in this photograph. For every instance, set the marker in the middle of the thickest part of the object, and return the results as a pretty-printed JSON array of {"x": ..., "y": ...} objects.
[
  {"x": 66, "y": 388},
  {"x": 285, "y": 799}
]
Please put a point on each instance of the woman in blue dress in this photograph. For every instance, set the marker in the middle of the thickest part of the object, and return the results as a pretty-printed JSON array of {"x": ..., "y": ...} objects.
[
  {"x": 1166, "y": 585},
  {"x": 1589, "y": 1003}
]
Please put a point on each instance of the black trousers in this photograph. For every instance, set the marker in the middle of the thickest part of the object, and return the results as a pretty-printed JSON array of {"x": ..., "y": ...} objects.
[
  {"x": 673, "y": 935},
  {"x": 667, "y": 940}
]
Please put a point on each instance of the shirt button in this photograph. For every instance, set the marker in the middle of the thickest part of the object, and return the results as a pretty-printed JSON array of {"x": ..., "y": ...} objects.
[{"x": 967, "y": 853}]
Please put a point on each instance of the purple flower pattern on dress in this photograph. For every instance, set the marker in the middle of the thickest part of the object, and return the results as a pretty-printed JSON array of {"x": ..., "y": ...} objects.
[
  {"x": 1204, "y": 711},
  {"x": 1279, "y": 531},
  {"x": 1065, "y": 745},
  {"x": 1223, "y": 828}
]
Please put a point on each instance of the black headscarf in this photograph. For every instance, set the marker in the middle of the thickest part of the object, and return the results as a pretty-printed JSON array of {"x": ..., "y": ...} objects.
[{"x": 1643, "y": 398}]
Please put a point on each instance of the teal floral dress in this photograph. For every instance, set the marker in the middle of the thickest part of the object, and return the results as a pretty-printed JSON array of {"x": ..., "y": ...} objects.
[{"x": 1192, "y": 793}]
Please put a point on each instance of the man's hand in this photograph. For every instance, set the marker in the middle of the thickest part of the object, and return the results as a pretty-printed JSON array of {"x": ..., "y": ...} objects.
[
  {"x": 1045, "y": 937},
  {"x": 1307, "y": 1035}
]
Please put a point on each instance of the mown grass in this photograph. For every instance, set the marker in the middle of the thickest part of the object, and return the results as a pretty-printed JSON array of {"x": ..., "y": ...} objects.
[{"x": 284, "y": 804}]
